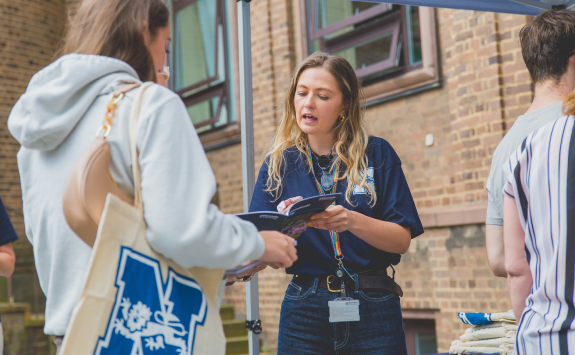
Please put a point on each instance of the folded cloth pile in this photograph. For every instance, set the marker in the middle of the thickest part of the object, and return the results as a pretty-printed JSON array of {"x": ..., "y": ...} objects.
[{"x": 491, "y": 333}]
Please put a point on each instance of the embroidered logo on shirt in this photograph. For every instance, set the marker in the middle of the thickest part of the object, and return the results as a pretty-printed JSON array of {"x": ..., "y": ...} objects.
[
  {"x": 360, "y": 190},
  {"x": 147, "y": 315}
]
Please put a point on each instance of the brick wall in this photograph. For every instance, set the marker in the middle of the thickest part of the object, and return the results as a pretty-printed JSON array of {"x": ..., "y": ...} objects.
[{"x": 30, "y": 31}]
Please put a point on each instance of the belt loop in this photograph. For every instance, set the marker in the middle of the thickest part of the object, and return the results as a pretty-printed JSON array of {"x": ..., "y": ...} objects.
[
  {"x": 356, "y": 276},
  {"x": 315, "y": 285},
  {"x": 393, "y": 275}
]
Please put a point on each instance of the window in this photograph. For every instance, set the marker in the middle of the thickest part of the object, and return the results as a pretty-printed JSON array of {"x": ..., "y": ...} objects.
[
  {"x": 419, "y": 326},
  {"x": 201, "y": 63},
  {"x": 381, "y": 41}
]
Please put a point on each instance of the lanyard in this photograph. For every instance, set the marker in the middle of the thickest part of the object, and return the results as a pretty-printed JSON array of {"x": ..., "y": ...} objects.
[{"x": 334, "y": 234}]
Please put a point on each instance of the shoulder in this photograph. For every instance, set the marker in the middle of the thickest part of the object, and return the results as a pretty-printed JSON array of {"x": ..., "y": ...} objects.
[
  {"x": 552, "y": 134},
  {"x": 380, "y": 152},
  {"x": 292, "y": 157},
  {"x": 537, "y": 143},
  {"x": 158, "y": 97},
  {"x": 162, "y": 109},
  {"x": 542, "y": 120}
]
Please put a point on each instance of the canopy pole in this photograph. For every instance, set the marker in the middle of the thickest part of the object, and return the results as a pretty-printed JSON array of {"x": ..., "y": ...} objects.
[{"x": 248, "y": 166}]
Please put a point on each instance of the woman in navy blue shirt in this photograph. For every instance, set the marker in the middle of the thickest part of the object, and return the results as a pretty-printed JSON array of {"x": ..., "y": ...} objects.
[{"x": 341, "y": 300}]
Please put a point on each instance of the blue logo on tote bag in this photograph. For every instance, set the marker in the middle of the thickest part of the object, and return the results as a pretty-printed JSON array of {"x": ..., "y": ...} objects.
[{"x": 150, "y": 317}]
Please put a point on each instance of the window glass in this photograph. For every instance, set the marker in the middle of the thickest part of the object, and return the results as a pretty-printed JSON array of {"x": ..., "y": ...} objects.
[
  {"x": 230, "y": 69},
  {"x": 414, "y": 34},
  {"x": 329, "y": 12},
  {"x": 203, "y": 111},
  {"x": 195, "y": 43},
  {"x": 420, "y": 336},
  {"x": 203, "y": 63},
  {"x": 425, "y": 344},
  {"x": 223, "y": 118},
  {"x": 369, "y": 52},
  {"x": 369, "y": 35}
]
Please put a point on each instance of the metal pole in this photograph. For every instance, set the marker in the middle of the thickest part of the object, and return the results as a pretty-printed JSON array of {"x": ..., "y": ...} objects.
[{"x": 248, "y": 167}]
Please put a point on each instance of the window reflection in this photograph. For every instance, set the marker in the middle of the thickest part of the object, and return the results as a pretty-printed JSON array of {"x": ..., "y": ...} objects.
[{"x": 195, "y": 44}]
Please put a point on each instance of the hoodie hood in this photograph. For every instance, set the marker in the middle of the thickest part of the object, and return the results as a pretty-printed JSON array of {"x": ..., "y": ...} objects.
[{"x": 59, "y": 95}]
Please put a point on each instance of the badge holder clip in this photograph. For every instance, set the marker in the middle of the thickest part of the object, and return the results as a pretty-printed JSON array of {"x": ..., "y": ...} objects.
[{"x": 343, "y": 309}]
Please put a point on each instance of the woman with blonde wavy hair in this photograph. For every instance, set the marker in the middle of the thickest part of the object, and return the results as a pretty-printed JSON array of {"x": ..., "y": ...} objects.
[{"x": 322, "y": 146}]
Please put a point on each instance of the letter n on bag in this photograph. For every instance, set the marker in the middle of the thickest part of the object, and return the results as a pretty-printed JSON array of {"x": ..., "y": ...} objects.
[{"x": 147, "y": 315}]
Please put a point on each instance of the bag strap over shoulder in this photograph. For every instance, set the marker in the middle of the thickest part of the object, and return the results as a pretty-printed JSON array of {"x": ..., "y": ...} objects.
[
  {"x": 90, "y": 181},
  {"x": 141, "y": 98}
]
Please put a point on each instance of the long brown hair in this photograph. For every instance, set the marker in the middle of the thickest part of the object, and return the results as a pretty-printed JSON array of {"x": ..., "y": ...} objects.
[
  {"x": 114, "y": 28},
  {"x": 350, "y": 134}
]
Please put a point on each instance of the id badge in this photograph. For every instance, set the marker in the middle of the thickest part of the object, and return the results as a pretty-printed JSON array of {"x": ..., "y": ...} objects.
[{"x": 343, "y": 310}]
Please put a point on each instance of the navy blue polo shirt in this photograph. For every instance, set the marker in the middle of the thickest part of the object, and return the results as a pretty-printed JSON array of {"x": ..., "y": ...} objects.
[
  {"x": 394, "y": 204},
  {"x": 7, "y": 232}
]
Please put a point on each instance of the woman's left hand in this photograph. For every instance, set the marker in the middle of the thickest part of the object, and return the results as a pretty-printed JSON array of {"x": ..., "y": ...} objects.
[
  {"x": 260, "y": 267},
  {"x": 334, "y": 218}
]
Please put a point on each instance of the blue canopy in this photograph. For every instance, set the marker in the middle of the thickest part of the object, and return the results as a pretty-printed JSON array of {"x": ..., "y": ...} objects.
[{"x": 521, "y": 7}]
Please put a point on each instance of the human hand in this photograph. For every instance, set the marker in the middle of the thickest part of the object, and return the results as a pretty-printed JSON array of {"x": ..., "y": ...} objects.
[
  {"x": 257, "y": 268},
  {"x": 284, "y": 205},
  {"x": 334, "y": 218},
  {"x": 280, "y": 249}
]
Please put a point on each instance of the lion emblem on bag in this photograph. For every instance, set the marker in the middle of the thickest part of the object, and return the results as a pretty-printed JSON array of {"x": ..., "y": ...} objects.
[{"x": 148, "y": 315}]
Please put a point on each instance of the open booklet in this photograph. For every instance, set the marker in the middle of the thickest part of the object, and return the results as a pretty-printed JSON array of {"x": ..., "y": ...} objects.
[{"x": 292, "y": 224}]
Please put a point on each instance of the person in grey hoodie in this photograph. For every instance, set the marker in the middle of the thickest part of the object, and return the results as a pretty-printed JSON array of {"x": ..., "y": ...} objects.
[{"x": 109, "y": 42}]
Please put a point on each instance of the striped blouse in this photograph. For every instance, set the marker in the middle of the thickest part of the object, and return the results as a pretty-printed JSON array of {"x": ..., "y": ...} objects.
[{"x": 541, "y": 179}]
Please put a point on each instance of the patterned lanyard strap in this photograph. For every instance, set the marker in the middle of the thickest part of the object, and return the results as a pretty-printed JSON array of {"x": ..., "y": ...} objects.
[{"x": 334, "y": 234}]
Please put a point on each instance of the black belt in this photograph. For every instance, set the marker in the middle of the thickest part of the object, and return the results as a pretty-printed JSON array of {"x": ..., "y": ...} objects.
[{"x": 366, "y": 282}]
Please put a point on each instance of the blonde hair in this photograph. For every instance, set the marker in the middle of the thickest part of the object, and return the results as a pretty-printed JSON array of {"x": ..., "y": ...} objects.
[
  {"x": 114, "y": 28},
  {"x": 350, "y": 134},
  {"x": 569, "y": 105}
]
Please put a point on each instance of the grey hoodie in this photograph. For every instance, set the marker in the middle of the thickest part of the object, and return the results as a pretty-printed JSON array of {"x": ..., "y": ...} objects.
[{"x": 56, "y": 120}]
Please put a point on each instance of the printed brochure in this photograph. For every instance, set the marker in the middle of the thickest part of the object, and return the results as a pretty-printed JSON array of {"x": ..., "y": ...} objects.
[{"x": 292, "y": 224}]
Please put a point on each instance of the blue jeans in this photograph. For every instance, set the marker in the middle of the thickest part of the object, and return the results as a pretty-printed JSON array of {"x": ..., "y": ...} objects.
[{"x": 305, "y": 328}]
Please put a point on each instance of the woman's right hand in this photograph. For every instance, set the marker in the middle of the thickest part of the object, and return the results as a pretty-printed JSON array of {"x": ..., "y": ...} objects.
[
  {"x": 284, "y": 206},
  {"x": 280, "y": 249}
]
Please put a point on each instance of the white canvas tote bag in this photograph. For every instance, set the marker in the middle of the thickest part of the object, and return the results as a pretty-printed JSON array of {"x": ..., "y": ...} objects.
[{"x": 135, "y": 301}]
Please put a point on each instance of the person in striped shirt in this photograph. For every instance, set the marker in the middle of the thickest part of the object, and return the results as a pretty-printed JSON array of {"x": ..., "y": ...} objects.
[
  {"x": 547, "y": 46},
  {"x": 539, "y": 237}
]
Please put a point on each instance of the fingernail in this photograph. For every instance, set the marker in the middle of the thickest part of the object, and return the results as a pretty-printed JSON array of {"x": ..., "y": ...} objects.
[
  {"x": 312, "y": 217},
  {"x": 308, "y": 224}
]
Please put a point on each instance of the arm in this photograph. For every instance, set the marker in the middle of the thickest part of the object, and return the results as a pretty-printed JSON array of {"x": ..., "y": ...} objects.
[
  {"x": 177, "y": 187},
  {"x": 393, "y": 229},
  {"x": 386, "y": 236},
  {"x": 518, "y": 272},
  {"x": 8, "y": 235},
  {"x": 7, "y": 260},
  {"x": 495, "y": 249}
]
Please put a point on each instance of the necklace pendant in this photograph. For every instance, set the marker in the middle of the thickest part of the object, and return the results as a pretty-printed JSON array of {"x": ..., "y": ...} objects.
[{"x": 326, "y": 182}]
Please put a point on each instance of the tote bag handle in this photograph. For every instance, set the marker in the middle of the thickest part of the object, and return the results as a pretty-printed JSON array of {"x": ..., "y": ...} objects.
[{"x": 141, "y": 98}]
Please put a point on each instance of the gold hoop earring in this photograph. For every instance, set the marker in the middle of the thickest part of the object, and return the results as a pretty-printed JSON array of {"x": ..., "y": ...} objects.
[{"x": 341, "y": 118}]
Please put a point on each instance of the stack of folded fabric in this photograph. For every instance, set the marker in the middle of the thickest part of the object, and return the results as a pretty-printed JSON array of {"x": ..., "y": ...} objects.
[{"x": 491, "y": 333}]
